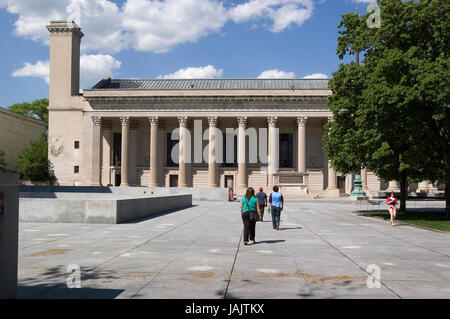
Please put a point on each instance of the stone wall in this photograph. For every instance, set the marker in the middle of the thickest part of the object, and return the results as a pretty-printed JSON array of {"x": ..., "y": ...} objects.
[{"x": 16, "y": 131}]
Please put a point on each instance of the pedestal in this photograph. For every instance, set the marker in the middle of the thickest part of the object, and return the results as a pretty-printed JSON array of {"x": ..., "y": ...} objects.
[{"x": 9, "y": 230}]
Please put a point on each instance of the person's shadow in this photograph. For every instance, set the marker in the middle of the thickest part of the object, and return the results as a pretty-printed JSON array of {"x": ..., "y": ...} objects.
[
  {"x": 287, "y": 228},
  {"x": 269, "y": 241}
]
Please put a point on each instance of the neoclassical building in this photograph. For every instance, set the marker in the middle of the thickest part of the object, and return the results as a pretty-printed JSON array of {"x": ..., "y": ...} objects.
[{"x": 121, "y": 131}]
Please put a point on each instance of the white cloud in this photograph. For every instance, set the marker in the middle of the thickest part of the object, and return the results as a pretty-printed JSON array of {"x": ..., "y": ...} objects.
[
  {"x": 150, "y": 25},
  {"x": 39, "y": 70},
  {"x": 99, "y": 19},
  {"x": 95, "y": 67},
  {"x": 159, "y": 26},
  {"x": 316, "y": 76},
  {"x": 282, "y": 13},
  {"x": 276, "y": 74},
  {"x": 205, "y": 72},
  {"x": 92, "y": 69}
]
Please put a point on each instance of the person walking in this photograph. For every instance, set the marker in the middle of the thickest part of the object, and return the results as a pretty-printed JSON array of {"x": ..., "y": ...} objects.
[
  {"x": 391, "y": 202},
  {"x": 250, "y": 212},
  {"x": 276, "y": 203},
  {"x": 262, "y": 200}
]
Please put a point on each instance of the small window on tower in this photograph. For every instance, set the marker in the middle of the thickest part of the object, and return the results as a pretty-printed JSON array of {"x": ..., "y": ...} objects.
[
  {"x": 76, "y": 169},
  {"x": 77, "y": 144}
]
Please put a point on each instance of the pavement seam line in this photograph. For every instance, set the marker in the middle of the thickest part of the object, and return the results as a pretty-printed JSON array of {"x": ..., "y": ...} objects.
[
  {"x": 232, "y": 267},
  {"x": 331, "y": 245},
  {"x": 295, "y": 262},
  {"x": 91, "y": 269}
]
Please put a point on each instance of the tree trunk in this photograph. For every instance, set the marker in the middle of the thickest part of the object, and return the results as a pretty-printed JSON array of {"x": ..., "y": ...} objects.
[
  {"x": 403, "y": 192},
  {"x": 447, "y": 191}
]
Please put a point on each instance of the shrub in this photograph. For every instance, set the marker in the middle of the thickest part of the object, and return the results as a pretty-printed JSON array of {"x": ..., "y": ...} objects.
[{"x": 33, "y": 163}]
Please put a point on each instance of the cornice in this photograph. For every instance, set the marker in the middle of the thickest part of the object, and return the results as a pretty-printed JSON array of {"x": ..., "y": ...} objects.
[{"x": 203, "y": 99}]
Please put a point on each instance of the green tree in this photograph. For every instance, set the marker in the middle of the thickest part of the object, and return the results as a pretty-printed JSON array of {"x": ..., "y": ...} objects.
[
  {"x": 3, "y": 165},
  {"x": 37, "y": 109},
  {"x": 33, "y": 163},
  {"x": 385, "y": 110}
]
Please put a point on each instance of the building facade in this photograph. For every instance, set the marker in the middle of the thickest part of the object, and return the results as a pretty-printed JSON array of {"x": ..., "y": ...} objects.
[{"x": 170, "y": 133}]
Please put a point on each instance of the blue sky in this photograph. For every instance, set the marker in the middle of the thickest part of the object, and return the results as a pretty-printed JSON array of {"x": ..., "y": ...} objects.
[{"x": 172, "y": 38}]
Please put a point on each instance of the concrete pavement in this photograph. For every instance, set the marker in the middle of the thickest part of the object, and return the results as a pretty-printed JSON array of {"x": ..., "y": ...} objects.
[{"x": 322, "y": 250}]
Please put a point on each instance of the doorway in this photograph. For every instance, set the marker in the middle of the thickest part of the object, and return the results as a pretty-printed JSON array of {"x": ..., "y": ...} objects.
[
  {"x": 173, "y": 181},
  {"x": 341, "y": 184},
  {"x": 229, "y": 181}
]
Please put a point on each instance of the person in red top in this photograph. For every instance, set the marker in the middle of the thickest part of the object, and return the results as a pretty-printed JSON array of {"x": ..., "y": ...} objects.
[{"x": 391, "y": 202}]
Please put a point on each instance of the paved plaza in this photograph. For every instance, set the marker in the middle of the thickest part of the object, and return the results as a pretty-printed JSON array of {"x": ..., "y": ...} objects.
[{"x": 322, "y": 250}]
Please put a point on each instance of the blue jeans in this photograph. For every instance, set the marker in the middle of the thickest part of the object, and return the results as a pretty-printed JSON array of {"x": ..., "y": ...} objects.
[{"x": 276, "y": 214}]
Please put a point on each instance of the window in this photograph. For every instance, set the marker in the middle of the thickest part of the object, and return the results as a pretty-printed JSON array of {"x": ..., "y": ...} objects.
[
  {"x": 232, "y": 161},
  {"x": 286, "y": 151},
  {"x": 77, "y": 144},
  {"x": 117, "y": 149},
  {"x": 170, "y": 145},
  {"x": 76, "y": 169}
]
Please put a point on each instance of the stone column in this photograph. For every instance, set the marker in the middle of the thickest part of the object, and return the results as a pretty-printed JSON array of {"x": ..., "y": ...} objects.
[
  {"x": 332, "y": 180},
  {"x": 364, "y": 178},
  {"x": 273, "y": 150},
  {"x": 393, "y": 186},
  {"x": 212, "y": 152},
  {"x": 132, "y": 158},
  {"x": 183, "y": 151},
  {"x": 242, "y": 165},
  {"x": 96, "y": 150},
  {"x": 153, "y": 151},
  {"x": 125, "y": 120},
  {"x": 301, "y": 124},
  {"x": 107, "y": 151}
]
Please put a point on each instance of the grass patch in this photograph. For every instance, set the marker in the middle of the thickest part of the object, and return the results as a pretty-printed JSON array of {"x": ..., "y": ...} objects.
[{"x": 435, "y": 219}]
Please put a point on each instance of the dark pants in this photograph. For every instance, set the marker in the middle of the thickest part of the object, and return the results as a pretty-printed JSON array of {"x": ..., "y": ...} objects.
[
  {"x": 249, "y": 226},
  {"x": 262, "y": 211},
  {"x": 276, "y": 214}
]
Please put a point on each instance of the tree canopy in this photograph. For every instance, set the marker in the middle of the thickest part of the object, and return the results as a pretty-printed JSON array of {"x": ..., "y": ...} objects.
[
  {"x": 36, "y": 109},
  {"x": 391, "y": 113}
]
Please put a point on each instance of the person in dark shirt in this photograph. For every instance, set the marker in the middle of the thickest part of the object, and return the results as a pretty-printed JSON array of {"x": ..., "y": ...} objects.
[{"x": 262, "y": 200}]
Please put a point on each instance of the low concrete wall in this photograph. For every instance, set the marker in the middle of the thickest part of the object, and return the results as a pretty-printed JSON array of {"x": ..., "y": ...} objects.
[
  {"x": 97, "y": 209},
  {"x": 198, "y": 193},
  {"x": 9, "y": 238}
]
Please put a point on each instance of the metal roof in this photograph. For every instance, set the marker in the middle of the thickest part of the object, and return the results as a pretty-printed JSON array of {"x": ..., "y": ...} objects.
[{"x": 218, "y": 84}]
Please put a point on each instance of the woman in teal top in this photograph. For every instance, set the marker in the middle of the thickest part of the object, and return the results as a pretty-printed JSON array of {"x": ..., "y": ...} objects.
[{"x": 250, "y": 212}]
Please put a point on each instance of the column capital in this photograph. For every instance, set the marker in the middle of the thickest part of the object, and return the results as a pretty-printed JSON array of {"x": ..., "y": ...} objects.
[
  {"x": 301, "y": 121},
  {"x": 242, "y": 120},
  {"x": 125, "y": 120},
  {"x": 272, "y": 121},
  {"x": 154, "y": 121},
  {"x": 183, "y": 121},
  {"x": 96, "y": 120},
  {"x": 212, "y": 120}
]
